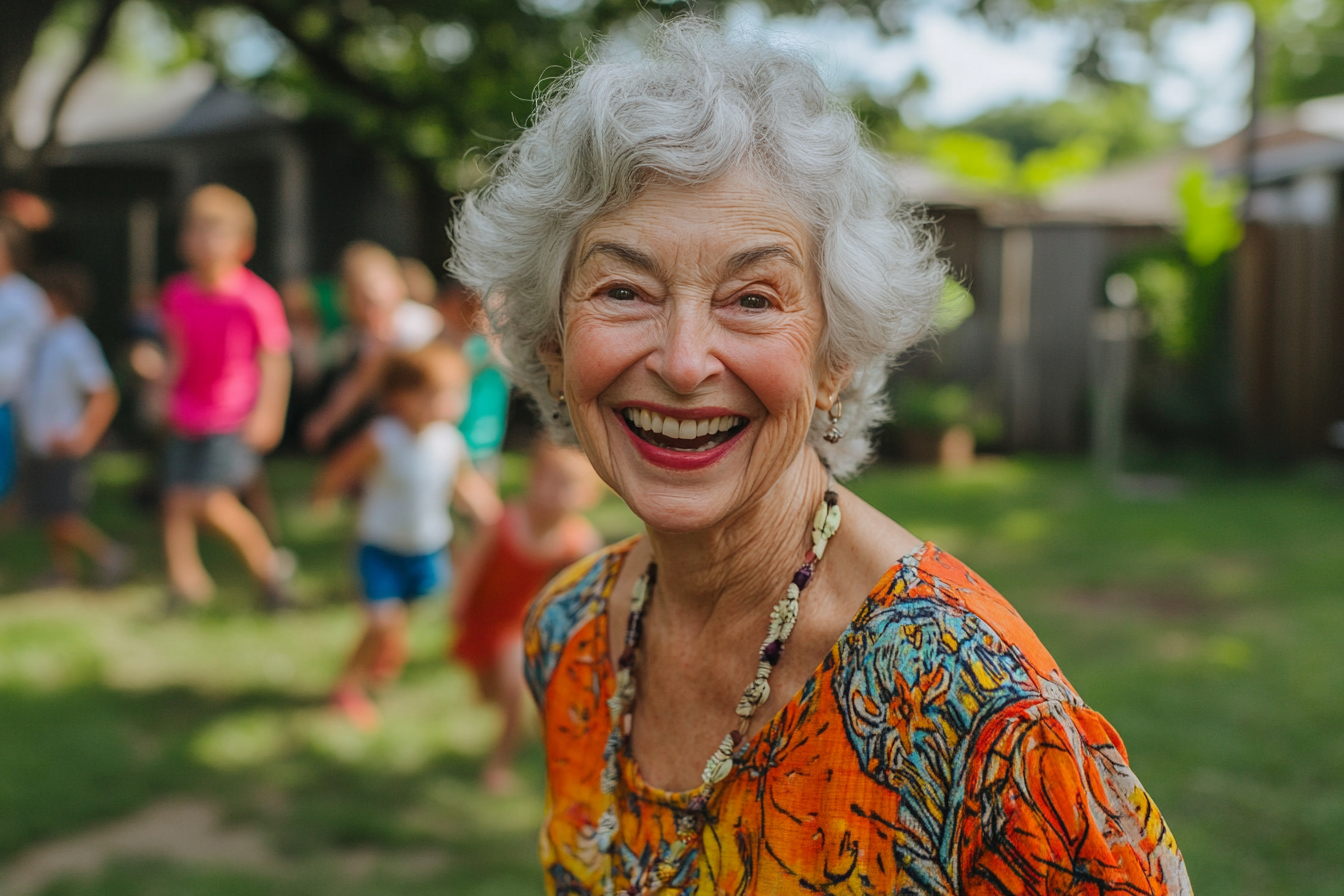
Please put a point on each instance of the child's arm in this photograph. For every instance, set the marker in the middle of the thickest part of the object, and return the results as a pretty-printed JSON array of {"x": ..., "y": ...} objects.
[
  {"x": 266, "y": 424},
  {"x": 348, "y": 466},
  {"x": 467, "y": 564},
  {"x": 476, "y": 497},
  {"x": 98, "y": 414},
  {"x": 345, "y": 399}
]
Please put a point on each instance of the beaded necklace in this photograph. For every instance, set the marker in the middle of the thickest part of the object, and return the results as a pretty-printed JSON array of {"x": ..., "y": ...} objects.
[{"x": 691, "y": 821}]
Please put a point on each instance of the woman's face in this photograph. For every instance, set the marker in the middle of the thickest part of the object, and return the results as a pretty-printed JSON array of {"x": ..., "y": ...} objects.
[{"x": 691, "y": 352}]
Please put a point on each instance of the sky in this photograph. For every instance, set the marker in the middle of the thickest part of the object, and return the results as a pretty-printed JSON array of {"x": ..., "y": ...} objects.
[{"x": 1203, "y": 77}]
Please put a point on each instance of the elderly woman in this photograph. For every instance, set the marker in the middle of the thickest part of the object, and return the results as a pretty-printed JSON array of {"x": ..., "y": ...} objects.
[{"x": 703, "y": 275}]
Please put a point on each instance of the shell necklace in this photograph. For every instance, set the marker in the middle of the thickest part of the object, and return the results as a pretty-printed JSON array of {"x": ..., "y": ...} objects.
[{"x": 691, "y": 820}]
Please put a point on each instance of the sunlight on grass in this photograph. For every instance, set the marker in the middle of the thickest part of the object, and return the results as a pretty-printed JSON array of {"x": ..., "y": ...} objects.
[{"x": 1206, "y": 628}]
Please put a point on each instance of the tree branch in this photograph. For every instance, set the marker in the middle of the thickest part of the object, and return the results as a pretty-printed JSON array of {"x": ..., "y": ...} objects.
[
  {"x": 93, "y": 48},
  {"x": 326, "y": 64}
]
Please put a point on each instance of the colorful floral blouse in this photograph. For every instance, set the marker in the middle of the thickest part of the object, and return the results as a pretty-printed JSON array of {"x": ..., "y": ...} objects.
[{"x": 937, "y": 749}]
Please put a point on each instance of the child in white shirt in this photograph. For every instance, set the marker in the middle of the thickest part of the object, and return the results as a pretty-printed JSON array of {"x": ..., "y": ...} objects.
[
  {"x": 65, "y": 406},
  {"x": 412, "y": 462}
]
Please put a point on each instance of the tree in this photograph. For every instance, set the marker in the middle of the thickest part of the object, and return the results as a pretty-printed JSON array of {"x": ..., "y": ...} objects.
[
  {"x": 435, "y": 84},
  {"x": 23, "y": 20},
  {"x": 1306, "y": 57}
]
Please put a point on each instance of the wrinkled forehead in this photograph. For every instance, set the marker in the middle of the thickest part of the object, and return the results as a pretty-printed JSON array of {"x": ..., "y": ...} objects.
[{"x": 735, "y": 219}]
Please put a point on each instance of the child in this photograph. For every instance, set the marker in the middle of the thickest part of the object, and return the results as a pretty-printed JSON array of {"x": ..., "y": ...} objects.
[
  {"x": 385, "y": 321},
  {"x": 535, "y": 538},
  {"x": 65, "y": 407},
  {"x": 412, "y": 462},
  {"x": 488, "y": 408},
  {"x": 23, "y": 316},
  {"x": 228, "y": 370}
]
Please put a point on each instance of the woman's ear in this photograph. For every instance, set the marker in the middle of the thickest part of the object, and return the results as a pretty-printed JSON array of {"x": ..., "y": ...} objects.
[
  {"x": 549, "y": 353},
  {"x": 833, "y": 381}
]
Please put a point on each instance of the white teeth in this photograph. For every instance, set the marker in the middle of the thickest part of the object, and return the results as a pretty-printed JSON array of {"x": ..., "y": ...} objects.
[{"x": 674, "y": 428}]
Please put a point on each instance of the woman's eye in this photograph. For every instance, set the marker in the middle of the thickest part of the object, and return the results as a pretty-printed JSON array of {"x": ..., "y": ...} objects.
[
  {"x": 621, "y": 293},
  {"x": 753, "y": 302}
]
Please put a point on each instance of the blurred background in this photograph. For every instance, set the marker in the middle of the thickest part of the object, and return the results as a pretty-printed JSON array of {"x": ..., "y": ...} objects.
[{"x": 1132, "y": 422}]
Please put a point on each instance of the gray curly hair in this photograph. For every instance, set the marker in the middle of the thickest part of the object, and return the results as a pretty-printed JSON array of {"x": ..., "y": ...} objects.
[{"x": 696, "y": 103}]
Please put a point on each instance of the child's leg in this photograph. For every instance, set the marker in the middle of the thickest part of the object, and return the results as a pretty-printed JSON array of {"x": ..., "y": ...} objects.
[
  {"x": 64, "y": 562},
  {"x": 419, "y": 576},
  {"x": 503, "y": 685},
  {"x": 383, "y": 621},
  {"x": 222, "y": 510},
  {"x": 392, "y": 652},
  {"x": 186, "y": 573},
  {"x": 71, "y": 532},
  {"x": 387, "y": 664},
  {"x": 256, "y": 497}
]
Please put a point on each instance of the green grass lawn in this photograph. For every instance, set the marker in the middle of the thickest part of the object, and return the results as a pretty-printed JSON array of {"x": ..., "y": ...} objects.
[{"x": 1207, "y": 628}]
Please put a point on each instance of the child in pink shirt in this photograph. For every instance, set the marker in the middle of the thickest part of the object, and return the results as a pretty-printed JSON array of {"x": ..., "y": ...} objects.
[{"x": 229, "y": 372}]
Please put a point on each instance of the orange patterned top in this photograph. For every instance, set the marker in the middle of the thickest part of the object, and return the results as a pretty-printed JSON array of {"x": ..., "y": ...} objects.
[{"x": 937, "y": 749}]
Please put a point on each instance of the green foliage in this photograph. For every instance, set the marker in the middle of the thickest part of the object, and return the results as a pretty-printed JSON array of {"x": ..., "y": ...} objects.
[
  {"x": 982, "y": 161},
  {"x": 1182, "y": 395},
  {"x": 1305, "y": 59},
  {"x": 955, "y": 305},
  {"x": 430, "y": 82},
  {"x": 974, "y": 158},
  {"x": 1044, "y": 168},
  {"x": 1210, "y": 225},
  {"x": 1117, "y": 118},
  {"x": 928, "y": 406},
  {"x": 1027, "y": 149},
  {"x": 1164, "y": 293}
]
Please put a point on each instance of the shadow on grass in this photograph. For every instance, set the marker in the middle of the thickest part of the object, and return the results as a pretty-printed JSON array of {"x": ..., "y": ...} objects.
[{"x": 73, "y": 759}]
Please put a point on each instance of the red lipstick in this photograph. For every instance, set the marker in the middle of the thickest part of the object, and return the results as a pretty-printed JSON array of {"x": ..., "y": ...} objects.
[{"x": 681, "y": 460}]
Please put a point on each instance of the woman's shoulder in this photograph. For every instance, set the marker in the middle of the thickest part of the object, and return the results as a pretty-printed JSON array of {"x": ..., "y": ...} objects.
[
  {"x": 936, "y": 665},
  {"x": 571, "y": 601},
  {"x": 934, "y": 627}
]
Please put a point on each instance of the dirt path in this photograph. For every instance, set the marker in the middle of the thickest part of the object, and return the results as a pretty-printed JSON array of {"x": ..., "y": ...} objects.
[{"x": 181, "y": 830}]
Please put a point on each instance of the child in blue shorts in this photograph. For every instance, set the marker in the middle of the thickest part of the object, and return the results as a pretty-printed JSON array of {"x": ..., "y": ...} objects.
[{"x": 412, "y": 462}]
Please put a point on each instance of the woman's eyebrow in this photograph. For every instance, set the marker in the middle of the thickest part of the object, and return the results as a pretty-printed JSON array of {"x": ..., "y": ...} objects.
[
  {"x": 749, "y": 257},
  {"x": 628, "y": 254}
]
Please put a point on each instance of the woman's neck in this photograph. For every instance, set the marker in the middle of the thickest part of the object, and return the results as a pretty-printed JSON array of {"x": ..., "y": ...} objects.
[{"x": 742, "y": 564}]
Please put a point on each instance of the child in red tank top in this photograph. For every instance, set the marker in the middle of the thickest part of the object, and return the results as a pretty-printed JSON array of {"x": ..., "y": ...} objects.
[{"x": 510, "y": 562}]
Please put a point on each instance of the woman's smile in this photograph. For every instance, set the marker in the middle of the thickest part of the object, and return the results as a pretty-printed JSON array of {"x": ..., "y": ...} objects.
[
  {"x": 687, "y": 439},
  {"x": 685, "y": 430}
]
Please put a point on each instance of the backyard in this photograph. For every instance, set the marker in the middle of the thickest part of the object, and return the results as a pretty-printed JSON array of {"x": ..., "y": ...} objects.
[{"x": 149, "y": 754}]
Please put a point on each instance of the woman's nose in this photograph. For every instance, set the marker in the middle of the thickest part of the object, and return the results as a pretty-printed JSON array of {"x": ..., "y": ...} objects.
[{"x": 686, "y": 359}]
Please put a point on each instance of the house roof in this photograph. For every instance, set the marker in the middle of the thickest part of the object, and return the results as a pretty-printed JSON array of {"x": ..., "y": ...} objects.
[{"x": 1135, "y": 194}]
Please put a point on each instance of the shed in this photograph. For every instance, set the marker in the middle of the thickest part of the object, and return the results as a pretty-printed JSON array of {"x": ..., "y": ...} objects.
[
  {"x": 1036, "y": 271},
  {"x": 129, "y": 151}
]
